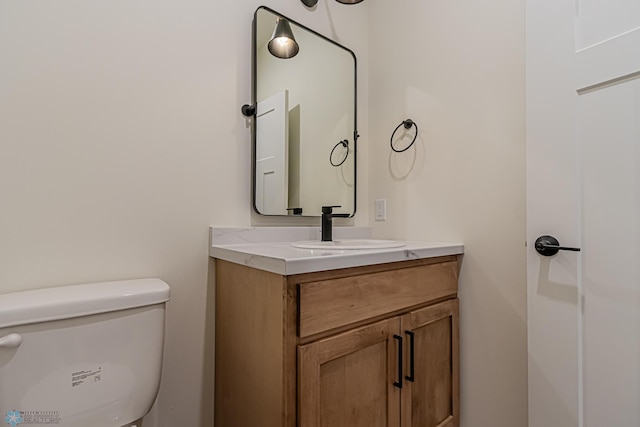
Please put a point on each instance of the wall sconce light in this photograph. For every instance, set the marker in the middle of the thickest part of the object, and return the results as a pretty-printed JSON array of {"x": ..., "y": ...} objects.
[
  {"x": 311, "y": 3},
  {"x": 282, "y": 43}
]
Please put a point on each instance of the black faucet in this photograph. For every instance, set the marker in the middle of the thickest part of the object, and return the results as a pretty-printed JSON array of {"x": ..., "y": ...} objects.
[{"x": 327, "y": 215}]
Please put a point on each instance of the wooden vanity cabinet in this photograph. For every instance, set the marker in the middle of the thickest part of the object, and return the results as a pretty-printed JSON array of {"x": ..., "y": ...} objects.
[{"x": 373, "y": 346}]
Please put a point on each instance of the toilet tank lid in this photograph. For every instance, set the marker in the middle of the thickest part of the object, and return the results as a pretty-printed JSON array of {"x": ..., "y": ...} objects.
[{"x": 63, "y": 302}]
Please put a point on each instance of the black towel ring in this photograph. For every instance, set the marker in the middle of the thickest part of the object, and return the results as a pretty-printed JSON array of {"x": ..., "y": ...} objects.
[
  {"x": 407, "y": 125},
  {"x": 345, "y": 144}
]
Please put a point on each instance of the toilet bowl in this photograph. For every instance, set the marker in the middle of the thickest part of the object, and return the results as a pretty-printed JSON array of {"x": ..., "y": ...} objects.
[{"x": 82, "y": 355}]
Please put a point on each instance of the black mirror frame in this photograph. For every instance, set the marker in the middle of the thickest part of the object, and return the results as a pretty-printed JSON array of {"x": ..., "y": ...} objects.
[{"x": 251, "y": 109}]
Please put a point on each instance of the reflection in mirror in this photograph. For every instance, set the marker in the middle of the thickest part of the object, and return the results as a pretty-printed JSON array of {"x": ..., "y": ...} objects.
[{"x": 305, "y": 123}]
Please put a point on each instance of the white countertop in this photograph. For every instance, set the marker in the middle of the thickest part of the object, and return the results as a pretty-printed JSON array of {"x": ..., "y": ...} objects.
[{"x": 269, "y": 248}]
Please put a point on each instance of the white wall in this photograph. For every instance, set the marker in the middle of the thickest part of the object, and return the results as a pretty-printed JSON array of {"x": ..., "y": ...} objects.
[
  {"x": 121, "y": 141},
  {"x": 457, "y": 70}
]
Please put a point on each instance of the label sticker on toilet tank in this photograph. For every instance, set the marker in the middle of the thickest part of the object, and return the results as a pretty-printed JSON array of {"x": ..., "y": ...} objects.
[
  {"x": 18, "y": 418},
  {"x": 82, "y": 377}
]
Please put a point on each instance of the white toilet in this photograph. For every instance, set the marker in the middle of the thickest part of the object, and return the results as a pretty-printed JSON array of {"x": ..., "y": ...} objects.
[{"x": 83, "y": 355}]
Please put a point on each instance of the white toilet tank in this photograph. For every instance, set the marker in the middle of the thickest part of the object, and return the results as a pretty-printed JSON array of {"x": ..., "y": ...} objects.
[{"x": 82, "y": 355}]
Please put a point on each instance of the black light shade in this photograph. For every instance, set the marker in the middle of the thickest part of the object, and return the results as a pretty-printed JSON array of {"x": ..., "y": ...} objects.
[
  {"x": 348, "y": 1},
  {"x": 282, "y": 43}
]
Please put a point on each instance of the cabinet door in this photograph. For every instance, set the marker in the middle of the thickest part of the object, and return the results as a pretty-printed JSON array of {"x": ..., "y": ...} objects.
[
  {"x": 431, "y": 396},
  {"x": 347, "y": 380}
]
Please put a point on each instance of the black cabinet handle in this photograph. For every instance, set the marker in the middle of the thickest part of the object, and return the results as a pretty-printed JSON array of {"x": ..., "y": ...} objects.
[
  {"x": 399, "y": 382},
  {"x": 549, "y": 246},
  {"x": 411, "y": 376}
]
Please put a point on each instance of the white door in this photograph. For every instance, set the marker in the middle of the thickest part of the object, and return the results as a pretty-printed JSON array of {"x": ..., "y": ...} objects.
[
  {"x": 272, "y": 148},
  {"x": 583, "y": 187}
]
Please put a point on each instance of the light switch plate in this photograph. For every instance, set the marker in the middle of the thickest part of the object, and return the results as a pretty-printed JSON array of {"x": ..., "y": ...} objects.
[{"x": 381, "y": 210}]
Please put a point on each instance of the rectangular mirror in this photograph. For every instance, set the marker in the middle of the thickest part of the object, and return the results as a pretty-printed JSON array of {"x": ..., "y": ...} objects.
[{"x": 304, "y": 128}]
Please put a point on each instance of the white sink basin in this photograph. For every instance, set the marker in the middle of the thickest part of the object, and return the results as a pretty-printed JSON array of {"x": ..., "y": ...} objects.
[{"x": 348, "y": 244}]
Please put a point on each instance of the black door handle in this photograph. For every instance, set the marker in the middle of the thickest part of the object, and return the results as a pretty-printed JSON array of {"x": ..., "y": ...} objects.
[
  {"x": 399, "y": 382},
  {"x": 549, "y": 246}
]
